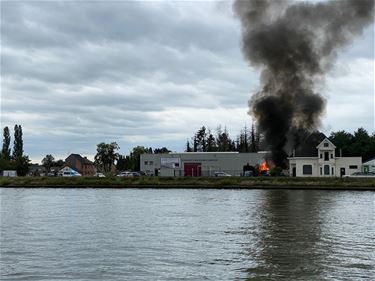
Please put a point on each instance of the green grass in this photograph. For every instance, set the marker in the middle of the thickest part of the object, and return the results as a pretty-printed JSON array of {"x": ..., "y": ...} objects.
[{"x": 203, "y": 182}]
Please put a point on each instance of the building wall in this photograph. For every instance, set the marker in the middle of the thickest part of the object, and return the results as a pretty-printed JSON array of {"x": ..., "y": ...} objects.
[
  {"x": 209, "y": 162},
  {"x": 369, "y": 166},
  {"x": 86, "y": 169},
  {"x": 347, "y": 162},
  {"x": 298, "y": 163},
  {"x": 350, "y": 164}
]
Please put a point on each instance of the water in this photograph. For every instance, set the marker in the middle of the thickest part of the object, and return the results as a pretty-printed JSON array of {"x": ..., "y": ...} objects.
[{"x": 176, "y": 234}]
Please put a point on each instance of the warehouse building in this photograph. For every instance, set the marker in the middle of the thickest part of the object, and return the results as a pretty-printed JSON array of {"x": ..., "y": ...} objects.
[{"x": 200, "y": 163}]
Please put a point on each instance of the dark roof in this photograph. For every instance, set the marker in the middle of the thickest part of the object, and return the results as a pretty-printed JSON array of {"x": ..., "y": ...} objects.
[
  {"x": 308, "y": 147},
  {"x": 83, "y": 160}
]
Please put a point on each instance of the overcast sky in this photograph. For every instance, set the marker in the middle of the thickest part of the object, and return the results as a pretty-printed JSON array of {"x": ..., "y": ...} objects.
[{"x": 74, "y": 74}]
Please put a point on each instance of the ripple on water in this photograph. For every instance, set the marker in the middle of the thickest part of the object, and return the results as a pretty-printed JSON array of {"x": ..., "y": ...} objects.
[{"x": 102, "y": 234}]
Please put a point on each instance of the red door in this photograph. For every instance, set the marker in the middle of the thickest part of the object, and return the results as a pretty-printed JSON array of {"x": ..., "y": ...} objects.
[{"x": 192, "y": 169}]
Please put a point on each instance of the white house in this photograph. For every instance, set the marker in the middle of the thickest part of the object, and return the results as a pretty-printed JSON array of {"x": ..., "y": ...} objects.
[
  {"x": 316, "y": 157},
  {"x": 369, "y": 166}
]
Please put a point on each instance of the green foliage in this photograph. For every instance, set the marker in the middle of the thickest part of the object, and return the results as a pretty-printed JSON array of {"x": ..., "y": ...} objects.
[
  {"x": 18, "y": 142},
  {"x": 135, "y": 157},
  {"x": 48, "y": 162},
  {"x": 22, "y": 165},
  {"x": 18, "y": 161},
  {"x": 5, "y": 152},
  {"x": 106, "y": 155},
  {"x": 358, "y": 144},
  {"x": 275, "y": 171}
]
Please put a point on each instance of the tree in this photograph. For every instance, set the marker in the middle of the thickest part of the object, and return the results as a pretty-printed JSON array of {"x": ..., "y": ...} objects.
[
  {"x": 21, "y": 162},
  {"x": 135, "y": 157},
  {"x": 160, "y": 151},
  {"x": 211, "y": 142},
  {"x": 22, "y": 165},
  {"x": 253, "y": 143},
  {"x": 106, "y": 155},
  {"x": 343, "y": 141},
  {"x": 201, "y": 136},
  {"x": 188, "y": 148},
  {"x": 48, "y": 162},
  {"x": 122, "y": 162},
  {"x": 18, "y": 142},
  {"x": 59, "y": 163},
  {"x": 223, "y": 140},
  {"x": 5, "y": 152}
]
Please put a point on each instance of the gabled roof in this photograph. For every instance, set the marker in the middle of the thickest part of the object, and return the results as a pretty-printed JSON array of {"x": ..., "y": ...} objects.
[
  {"x": 83, "y": 160},
  {"x": 325, "y": 140},
  {"x": 308, "y": 147},
  {"x": 369, "y": 161}
]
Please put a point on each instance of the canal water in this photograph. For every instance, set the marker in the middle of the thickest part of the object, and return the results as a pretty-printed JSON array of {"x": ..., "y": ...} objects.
[{"x": 186, "y": 234}]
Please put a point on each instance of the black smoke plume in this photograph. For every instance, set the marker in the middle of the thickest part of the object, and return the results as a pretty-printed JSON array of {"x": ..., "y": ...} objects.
[{"x": 294, "y": 43}]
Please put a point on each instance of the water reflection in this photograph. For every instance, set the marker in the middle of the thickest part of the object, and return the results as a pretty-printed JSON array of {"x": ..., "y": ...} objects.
[
  {"x": 297, "y": 236},
  {"x": 103, "y": 234}
]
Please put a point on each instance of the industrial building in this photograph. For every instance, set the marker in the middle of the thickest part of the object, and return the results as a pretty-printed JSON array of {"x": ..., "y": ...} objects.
[{"x": 200, "y": 163}]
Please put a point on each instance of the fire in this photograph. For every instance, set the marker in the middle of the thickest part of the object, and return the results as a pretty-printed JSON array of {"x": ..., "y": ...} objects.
[{"x": 264, "y": 167}]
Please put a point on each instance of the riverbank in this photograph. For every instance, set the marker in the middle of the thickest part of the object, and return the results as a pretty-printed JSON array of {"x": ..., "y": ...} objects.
[{"x": 191, "y": 182}]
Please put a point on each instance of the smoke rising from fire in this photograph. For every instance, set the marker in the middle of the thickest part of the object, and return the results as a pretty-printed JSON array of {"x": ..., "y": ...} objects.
[{"x": 294, "y": 44}]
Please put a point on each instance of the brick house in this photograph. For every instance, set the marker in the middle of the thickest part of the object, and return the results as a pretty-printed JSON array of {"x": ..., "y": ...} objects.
[{"x": 81, "y": 164}]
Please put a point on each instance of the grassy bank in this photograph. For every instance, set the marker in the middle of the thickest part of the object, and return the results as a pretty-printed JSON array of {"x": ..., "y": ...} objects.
[{"x": 191, "y": 182}]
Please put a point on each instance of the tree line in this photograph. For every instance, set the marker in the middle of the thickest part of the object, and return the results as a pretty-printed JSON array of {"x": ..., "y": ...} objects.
[
  {"x": 14, "y": 159},
  {"x": 204, "y": 140},
  {"x": 360, "y": 143},
  {"x": 107, "y": 158},
  {"x": 248, "y": 140}
]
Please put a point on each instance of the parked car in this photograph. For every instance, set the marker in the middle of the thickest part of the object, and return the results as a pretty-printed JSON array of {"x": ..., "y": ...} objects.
[
  {"x": 221, "y": 174},
  {"x": 71, "y": 174},
  {"x": 126, "y": 174},
  {"x": 99, "y": 175},
  {"x": 360, "y": 175},
  {"x": 248, "y": 174},
  {"x": 137, "y": 174},
  {"x": 149, "y": 173}
]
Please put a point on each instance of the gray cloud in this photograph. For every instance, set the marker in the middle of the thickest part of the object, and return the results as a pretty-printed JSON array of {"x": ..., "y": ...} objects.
[{"x": 149, "y": 73}]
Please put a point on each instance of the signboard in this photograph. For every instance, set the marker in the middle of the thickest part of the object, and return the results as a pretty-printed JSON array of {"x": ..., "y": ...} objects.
[{"x": 170, "y": 163}]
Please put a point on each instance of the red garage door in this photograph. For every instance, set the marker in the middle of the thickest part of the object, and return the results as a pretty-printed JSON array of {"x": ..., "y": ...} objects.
[{"x": 192, "y": 169}]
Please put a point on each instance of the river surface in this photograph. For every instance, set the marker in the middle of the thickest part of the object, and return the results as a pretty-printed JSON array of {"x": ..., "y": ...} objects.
[{"x": 180, "y": 234}]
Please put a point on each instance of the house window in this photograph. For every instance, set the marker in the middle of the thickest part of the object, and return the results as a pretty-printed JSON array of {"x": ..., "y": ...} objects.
[
  {"x": 332, "y": 171},
  {"x": 151, "y": 162},
  {"x": 326, "y": 169},
  {"x": 307, "y": 169},
  {"x": 331, "y": 155},
  {"x": 321, "y": 156},
  {"x": 146, "y": 162},
  {"x": 353, "y": 167},
  {"x": 326, "y": 156},
  {"x": 321, "y": 171},
  {"x": 326, "y": 144}
]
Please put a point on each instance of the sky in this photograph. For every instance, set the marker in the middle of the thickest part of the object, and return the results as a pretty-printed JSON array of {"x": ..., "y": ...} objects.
[{"x": 151, "y": 73}]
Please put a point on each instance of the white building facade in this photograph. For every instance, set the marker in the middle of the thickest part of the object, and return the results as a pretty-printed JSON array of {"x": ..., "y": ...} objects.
[
  {"x": 321, "y": 160},
  {"x": 199, "y": 163}
]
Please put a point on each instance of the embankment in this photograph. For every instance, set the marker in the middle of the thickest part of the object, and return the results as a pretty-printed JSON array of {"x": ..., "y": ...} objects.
[{"x": 191, "y": 182}]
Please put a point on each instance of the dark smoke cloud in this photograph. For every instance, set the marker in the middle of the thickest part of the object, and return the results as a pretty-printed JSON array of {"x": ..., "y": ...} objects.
[{"x": 294, "y": 44}]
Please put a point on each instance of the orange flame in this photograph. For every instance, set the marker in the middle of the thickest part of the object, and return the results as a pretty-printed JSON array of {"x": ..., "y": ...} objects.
[{"x": 264, "y": 167}]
